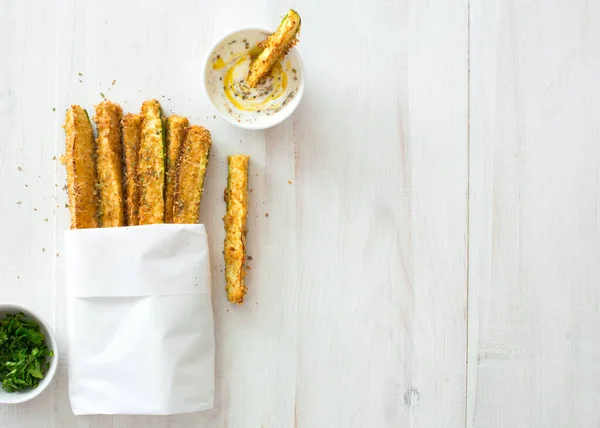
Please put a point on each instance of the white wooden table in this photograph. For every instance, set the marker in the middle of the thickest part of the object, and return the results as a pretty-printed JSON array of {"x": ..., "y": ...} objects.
[{"x": 431, "y": 255}]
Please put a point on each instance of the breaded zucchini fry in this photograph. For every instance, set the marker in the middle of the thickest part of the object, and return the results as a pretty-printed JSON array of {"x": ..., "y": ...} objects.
[
  {"x": 109, "y": 152},
  {"x": 79, "y": 158},
  {"x": 236, "y": 197},
  {"x": 274, "y": 47},
  {"x": 132, "y": 128},
  {"x": 151, "y": 165},
  {"x": 190, "y": 171},
  {"x": 176, "y": 126}
]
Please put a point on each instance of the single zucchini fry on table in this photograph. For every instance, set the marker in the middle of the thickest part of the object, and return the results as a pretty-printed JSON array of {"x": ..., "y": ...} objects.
[
  {"x": 274, "y": 47},
  {"x": 191, "y": 168},
  {"x": 176, "y": 126},
  {"x": 151, "y": 165},
  {"x": 80, "y": 151},
  {"x": 132, "y": 128},
  {"x": 109, "y": 151},
  {"x": 236, "y": 197}
]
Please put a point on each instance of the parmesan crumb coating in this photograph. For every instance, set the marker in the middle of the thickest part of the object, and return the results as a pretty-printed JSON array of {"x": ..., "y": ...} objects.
[
  {"x": 236, "y": 197},
  {"x": 132, "y": 128},
  {"x": 109, "y": 151},
  {"x": 79, "y": 159},
  {"x": 151, "y": 165},
  {"x": 274, "y": 47},
  {"x": 175, "y": 129},
  {"x": 191, "y": 168}
]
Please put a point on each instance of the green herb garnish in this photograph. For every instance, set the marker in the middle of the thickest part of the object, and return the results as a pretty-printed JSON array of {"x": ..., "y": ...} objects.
[{"x": 24, "y": 357}]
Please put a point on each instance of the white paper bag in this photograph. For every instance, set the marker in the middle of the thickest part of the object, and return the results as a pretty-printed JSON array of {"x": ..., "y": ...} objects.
[{"x": 140, "y": 322}]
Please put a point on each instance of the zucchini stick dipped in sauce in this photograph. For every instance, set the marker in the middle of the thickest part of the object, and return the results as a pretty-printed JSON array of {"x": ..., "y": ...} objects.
[
  {"x": 151, "y": 165},
  {"x": 132, "y": 127},
  {"x": 79, "y": 159},
  {"x": 189, "y": 175},
  {"x": 109, "y": 151},
  {"x": 175, "y": 129},
  {"x": 274, "y": 47},
  {"x": 236, "y": 197}
]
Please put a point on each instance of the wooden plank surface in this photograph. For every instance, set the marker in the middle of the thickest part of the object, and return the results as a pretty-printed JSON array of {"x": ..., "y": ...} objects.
[
  {"x": 399, "y": 162},
  {"x": 28, "y": 206},
  {"x": 381, "y": 268},
  {"x": 534, "y": 234}
]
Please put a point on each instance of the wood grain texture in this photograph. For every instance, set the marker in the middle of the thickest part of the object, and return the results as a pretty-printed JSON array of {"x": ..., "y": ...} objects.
[
  {"x": 28, "y": 207},
  {"x": 376, "y": 190},
  {"x": 534, "y": 230},
  {"x": 382, "y": 194}
]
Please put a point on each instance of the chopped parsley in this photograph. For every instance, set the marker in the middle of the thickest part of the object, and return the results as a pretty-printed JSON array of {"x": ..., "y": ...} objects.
[{"x": 24, "y": 357}]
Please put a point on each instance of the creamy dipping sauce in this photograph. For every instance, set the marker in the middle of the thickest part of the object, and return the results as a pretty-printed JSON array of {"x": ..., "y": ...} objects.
[{"x": 226, "y": 80}]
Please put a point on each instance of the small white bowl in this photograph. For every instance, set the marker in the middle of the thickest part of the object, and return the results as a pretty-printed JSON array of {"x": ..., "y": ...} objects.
[
  {"x": 51, "y": 343},
  {"x": 253, "y": 35}
]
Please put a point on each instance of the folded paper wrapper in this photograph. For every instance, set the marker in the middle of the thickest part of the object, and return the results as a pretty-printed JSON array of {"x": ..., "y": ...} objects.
[{"x": 140, "y": 321}]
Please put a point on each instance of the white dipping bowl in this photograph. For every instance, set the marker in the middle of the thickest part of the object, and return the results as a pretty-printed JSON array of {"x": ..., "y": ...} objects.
[
  {"x": 51, "y": 343},
  {"x": 253, "y": 35}
]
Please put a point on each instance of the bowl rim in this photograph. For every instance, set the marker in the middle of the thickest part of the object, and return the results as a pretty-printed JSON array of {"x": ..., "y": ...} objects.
[
  {"x": 30, "y": 394},
  {"x": 285, "y": 113}
]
